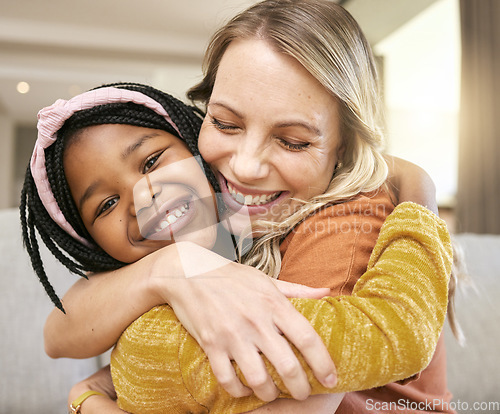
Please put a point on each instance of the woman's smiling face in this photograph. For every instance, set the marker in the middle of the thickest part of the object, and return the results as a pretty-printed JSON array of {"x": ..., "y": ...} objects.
[
  {"x": 272, "y": 132},
  {"x": 138, "y": 190}
]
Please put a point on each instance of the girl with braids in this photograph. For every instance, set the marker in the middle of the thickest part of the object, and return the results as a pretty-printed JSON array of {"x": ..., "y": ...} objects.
[{"x": 46, "y": 197}]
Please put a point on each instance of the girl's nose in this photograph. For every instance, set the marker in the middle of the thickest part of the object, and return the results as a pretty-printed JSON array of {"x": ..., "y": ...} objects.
[
  {"x": 145, "y": 195},
  {"x": 249, "y": 161}
]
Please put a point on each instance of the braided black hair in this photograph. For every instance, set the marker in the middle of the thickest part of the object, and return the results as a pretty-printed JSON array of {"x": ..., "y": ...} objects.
[{"x": 77, "y": 257}]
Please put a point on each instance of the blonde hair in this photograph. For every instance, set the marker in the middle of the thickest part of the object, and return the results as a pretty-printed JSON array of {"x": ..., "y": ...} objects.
[{"x": 326, "y": 40}]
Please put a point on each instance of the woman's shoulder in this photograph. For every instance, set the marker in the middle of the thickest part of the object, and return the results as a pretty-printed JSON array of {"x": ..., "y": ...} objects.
[
  {"x": 335, "y": 243},
  {"x": 365, "y": 210},
  {"x": 378, "y": 203}
]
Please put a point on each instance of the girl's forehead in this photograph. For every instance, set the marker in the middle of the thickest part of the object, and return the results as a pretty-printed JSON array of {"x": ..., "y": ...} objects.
[{"x": 118, "y": 134}]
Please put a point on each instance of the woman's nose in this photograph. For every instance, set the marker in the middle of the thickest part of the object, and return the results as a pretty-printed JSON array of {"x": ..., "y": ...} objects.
[
  {"x": 145, "y": 194},
  {"x": 249, "y": 161}
]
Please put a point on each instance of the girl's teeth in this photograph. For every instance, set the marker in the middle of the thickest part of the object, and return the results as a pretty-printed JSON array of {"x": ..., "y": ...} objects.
[{"x": 172, "y": 217}]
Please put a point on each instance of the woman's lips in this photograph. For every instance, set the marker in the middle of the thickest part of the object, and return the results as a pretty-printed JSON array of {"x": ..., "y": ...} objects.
[{"x": 251, "y": 201}]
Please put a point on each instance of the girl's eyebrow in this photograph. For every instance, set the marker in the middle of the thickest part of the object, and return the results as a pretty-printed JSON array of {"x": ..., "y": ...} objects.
[
  {"x": 136, "y": 145},
  {"x": 88, "y": 193}
]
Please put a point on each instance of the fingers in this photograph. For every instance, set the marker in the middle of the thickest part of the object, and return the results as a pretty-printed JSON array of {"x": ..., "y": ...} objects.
[
  {"x": 226, "y": 376},
  {"x": 288, "y": 367},
  {"x": 299, "y": 331},
  {"x": 255, "y": 372},
  {"x": 252, "y": 367},
  {"x": 294, "y": 290}
]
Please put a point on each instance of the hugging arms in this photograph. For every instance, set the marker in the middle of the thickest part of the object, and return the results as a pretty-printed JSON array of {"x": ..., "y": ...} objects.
[{"x": 397, "y": 368}]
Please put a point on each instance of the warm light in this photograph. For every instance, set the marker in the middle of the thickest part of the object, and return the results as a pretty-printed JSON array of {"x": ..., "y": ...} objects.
[{"x": 23, "y": 87}]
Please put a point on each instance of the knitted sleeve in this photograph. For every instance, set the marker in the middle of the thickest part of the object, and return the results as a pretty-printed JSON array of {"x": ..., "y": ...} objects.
[{"x": 385, "y": 331}]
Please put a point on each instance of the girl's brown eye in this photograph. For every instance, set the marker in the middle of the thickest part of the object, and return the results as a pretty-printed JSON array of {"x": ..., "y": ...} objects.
[
  {"x": 106, "y": 206},
  {"x": 150, "y": 162}
]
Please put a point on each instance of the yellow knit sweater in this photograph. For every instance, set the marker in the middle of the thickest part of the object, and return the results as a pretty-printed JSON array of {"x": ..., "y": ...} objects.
[{"x": 385, "y": 331}]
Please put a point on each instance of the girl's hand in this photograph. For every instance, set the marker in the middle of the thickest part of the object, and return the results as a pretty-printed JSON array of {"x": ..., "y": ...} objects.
[
  {"x": 96, "y": 404},
  {"x": 236, "y": 312}
]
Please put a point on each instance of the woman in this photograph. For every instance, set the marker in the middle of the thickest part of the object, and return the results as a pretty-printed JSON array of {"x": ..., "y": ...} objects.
[{"x": 357, "y": 112}]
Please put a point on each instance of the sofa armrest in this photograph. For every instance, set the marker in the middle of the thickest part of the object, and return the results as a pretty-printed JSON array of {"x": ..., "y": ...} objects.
[
  {"x": 30, "y": 381},
  {"x": 473, "y": 370}
]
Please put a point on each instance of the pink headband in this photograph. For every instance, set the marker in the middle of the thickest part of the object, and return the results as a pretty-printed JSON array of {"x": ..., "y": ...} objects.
[{"x": 52, "y": 118}]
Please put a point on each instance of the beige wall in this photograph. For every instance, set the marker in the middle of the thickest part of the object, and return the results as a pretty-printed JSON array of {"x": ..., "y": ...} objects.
[{"x": 7, "y": 160}]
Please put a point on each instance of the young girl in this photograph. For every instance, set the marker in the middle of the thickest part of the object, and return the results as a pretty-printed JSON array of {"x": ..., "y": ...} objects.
[{"x": 92, "y": 132}]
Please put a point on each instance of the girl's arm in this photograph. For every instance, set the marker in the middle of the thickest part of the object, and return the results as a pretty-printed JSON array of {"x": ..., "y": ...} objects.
[
  {"x": 409, "y": 182},
  {"x": 99, "y": 309},
  {"x": 96, "y": 404}
]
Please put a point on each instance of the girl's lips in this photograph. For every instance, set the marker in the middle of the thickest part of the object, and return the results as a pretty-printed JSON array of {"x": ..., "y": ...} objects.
[
  {"x": 169, "y": 218},
  {"x": 251, "y": 209}
]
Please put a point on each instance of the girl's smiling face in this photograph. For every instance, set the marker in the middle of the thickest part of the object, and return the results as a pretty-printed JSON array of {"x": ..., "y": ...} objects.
[
  {"x": 272, "y": 132},
  {"x": 138, "y": 189}
]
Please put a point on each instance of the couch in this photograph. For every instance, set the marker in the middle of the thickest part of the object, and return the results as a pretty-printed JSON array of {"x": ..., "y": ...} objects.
[{"x": 32, "y": 382}]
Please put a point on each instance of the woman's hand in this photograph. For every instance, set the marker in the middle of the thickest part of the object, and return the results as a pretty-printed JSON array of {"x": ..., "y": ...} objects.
[
  {"x": 235, "y": 313},
  {"x": 97, "y": 404}
]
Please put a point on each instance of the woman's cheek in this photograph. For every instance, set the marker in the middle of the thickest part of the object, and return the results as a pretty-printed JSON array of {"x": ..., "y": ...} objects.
[{"x": 203, "y": 143}]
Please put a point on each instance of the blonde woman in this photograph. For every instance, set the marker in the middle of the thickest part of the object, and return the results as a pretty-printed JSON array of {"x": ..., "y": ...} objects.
[{"x": 291, "y": 101}]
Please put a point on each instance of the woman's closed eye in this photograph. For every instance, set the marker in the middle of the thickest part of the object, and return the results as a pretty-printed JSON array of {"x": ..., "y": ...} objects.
[
  {"x": 221, "y": 126},
  {"x": 293, "y": 146}
]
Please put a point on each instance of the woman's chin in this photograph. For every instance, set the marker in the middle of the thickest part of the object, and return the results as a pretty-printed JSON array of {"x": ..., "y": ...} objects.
[{"x": 238, "y": 224}]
